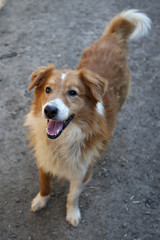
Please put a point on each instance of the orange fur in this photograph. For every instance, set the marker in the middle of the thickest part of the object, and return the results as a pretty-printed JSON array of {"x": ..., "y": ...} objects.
[
  {"x": 101, "y": 82},
  {"x": 45, "y": 181}
]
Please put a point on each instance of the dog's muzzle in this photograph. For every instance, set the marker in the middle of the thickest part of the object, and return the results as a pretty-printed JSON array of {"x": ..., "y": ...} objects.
[{"x": 54, "y": 126}]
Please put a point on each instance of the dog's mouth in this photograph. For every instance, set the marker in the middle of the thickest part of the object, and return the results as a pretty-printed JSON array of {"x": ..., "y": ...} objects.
[{"x": 54, "y": 128}]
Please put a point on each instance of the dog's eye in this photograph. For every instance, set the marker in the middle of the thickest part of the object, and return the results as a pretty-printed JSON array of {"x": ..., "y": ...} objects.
[
  {"x": 72, "y": 93},
  {"x": 48, "y": 90}
]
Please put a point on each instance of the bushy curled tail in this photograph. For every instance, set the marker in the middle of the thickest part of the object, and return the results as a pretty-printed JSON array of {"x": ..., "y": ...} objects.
[{"x": 128, "y": 25}]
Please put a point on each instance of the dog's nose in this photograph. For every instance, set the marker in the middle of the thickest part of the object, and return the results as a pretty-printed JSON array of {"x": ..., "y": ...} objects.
[{"x": 50, "y": 111}]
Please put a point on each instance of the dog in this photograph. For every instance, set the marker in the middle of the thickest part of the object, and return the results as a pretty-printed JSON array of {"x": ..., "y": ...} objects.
[{"x": 74, "y": 112}]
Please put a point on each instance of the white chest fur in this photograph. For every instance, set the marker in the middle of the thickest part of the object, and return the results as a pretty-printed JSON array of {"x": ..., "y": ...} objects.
[{"x": 62, "y": 157}]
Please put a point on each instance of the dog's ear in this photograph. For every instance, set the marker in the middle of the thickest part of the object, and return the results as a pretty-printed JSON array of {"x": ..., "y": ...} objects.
[
  {"x": 96, "y": 84},
  {"x": 38, "y": 77}
]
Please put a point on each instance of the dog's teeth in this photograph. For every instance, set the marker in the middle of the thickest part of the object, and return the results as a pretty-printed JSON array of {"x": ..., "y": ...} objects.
[{"x": 57, "y": 131}]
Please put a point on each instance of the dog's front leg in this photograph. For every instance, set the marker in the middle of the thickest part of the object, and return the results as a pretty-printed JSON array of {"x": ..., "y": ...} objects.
[
  {"x": 73, "y": 212},
  {"x": 76, "y": 187},
  {"x": 42, "y": 197}
]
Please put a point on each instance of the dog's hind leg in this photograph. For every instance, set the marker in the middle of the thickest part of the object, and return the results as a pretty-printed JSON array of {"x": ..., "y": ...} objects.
[{"x": 42, "y": 197}]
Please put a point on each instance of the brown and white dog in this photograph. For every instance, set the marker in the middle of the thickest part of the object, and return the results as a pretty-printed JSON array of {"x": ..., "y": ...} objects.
[{"x": 74, "y": 112}]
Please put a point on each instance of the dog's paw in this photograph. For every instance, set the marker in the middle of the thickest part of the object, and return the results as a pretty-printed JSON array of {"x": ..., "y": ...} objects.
[
  {"x": 73, "y": 216},
  {"x": 39, "y": 202}
]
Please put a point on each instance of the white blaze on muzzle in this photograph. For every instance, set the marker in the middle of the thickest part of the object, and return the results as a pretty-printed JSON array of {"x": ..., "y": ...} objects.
[{"x": 63, "y": 110}]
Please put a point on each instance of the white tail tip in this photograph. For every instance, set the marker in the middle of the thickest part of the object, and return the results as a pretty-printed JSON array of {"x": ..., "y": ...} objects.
[{"x": 140, "y": 20}]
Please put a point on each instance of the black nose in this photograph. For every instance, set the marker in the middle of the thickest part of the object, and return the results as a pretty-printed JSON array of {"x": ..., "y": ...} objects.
[{"x": 50, "y": 111}]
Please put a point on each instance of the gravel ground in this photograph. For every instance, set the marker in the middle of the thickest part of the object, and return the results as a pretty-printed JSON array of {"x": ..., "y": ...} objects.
[{"x": 122, "y": 201}]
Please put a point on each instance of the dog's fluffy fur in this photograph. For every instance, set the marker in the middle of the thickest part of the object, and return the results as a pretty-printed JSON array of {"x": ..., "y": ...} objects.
[{"x": 81, "y": 107}]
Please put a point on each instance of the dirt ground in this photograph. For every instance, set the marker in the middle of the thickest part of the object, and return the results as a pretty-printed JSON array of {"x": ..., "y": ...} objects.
[{"x": 122, "y": 201}]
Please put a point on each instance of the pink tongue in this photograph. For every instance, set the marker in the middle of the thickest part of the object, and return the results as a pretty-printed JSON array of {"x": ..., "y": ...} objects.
[{"x": 54, "y": 127}]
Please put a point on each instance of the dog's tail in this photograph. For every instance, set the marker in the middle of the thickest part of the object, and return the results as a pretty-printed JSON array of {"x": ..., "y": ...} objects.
[{"x": 128, "y": 25}]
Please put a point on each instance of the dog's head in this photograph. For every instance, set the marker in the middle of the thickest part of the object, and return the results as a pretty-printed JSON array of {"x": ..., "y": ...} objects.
[{"x": 63, "y": 96}]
